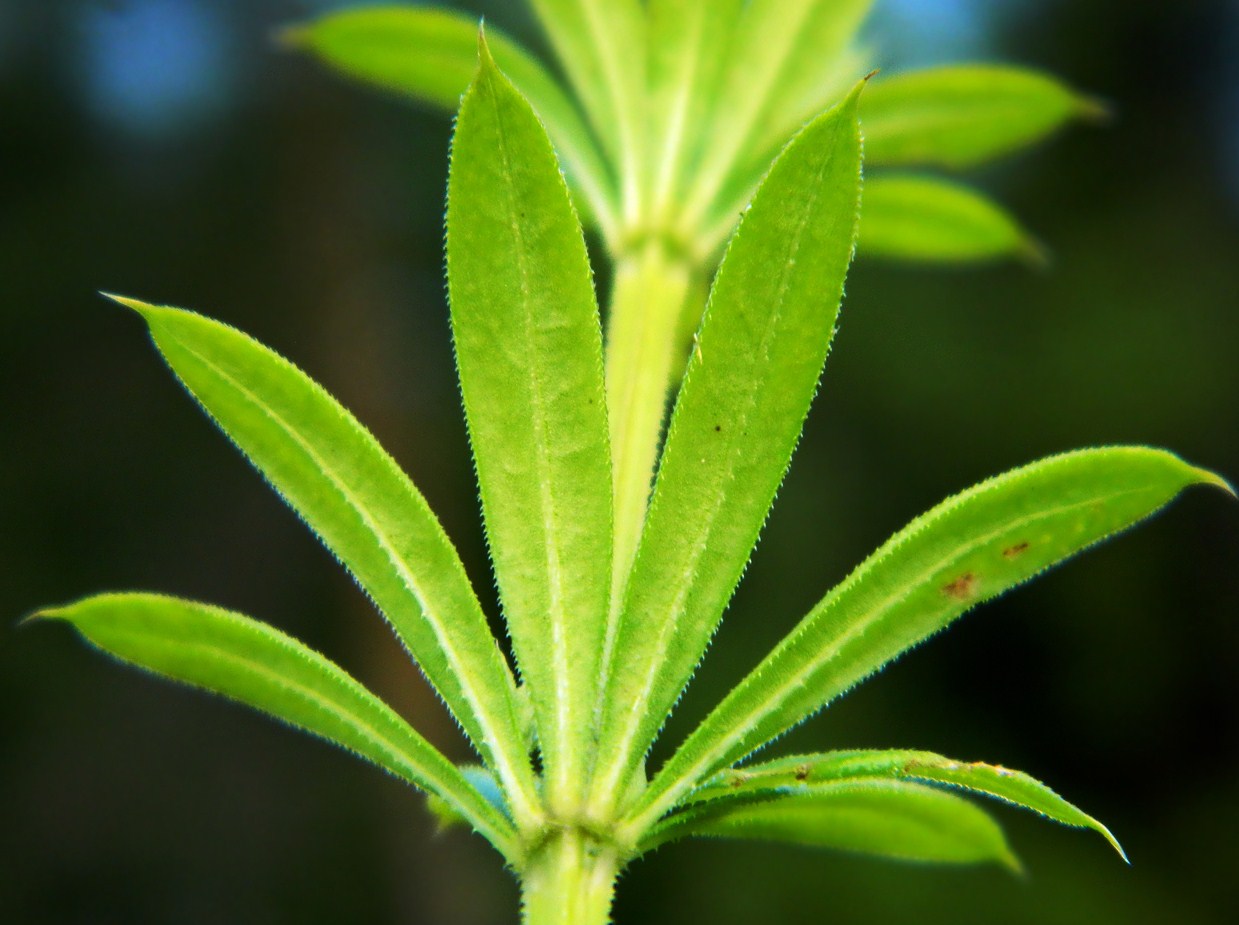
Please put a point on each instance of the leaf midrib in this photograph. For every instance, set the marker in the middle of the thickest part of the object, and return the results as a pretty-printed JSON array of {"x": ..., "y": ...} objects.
[
  {"x": 670, "y": 627},
  {"x": 399, "y": 760},
  {"x": 550, "y": 515},
  {"x": 490, "y": 741}
]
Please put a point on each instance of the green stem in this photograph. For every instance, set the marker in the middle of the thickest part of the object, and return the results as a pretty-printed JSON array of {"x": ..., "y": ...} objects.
[
  {"x": 656, "y": 296},
  {"x": 570, "y": 880}
]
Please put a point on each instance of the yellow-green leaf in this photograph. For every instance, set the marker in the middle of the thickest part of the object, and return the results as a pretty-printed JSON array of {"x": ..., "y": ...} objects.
[
  {"x": 931, "y": 220},
  {"x": 962, "y": 115},
  {"x": 529, "y": 351},
  {"x": 257, "y": 665}
]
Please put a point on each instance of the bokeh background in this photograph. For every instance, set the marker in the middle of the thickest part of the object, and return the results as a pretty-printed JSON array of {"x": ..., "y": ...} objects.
[{"x": 167, "y": 149}]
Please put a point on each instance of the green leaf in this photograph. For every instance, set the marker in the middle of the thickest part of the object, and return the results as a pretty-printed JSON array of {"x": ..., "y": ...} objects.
[
  {"x": 364, "y": 508},
  {"x": 686, "y": 66},
  {"x": 883, "y": 818},
  {"x": 250, "y": 662},
  {"x": 969, "y": 549},
  {"x": 529, "y": 350},
  {"x": 601, "y": 44},
  {"x": 430, "y": 54},
  {"x": 921, "y": 218},
  {"x": 804, "y": 773},
  {"x": 781, "y": 50},
  {"x": 748, "y": 386},
  {"x": 962, "y": 115}
]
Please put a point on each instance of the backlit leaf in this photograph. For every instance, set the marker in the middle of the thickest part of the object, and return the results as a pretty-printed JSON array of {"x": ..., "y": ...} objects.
[
  {"x": 255, "y": 664},
  {"x": 749, "y": 383},
  {"x": 431, "y": 55},
  {"x": 969, "y": 549},
  {"x": 780, "y": 51},
  {"x": 804, "y": 773},
  {"x": 883, "y": 818},
  {"x": 962, "y": 115},
  {"x": 529, "y": 350},
  {"x": 334, "y": 474},
  {"x": 922, "y": 218},
  {"x": 601, "y": 44}
]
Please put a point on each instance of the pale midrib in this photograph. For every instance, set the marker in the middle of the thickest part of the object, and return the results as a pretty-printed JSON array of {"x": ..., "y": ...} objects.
[
  {"x": 604, "y": 46},
  {"x": 677, "y": 115},
  {"x": 670, "y": 626},
  {"x": 727, "y": 144},
  {"x": 550, "y": 516},
  {"x": 398, "y": 759},
  {"x": 739, "y": 727},
  {"x": 490, "y": 741}
]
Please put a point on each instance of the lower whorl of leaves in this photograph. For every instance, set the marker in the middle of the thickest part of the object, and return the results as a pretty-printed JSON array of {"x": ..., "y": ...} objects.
[
  {"x": 969, "y": 549},
  {"x": 252, "y": 663}
]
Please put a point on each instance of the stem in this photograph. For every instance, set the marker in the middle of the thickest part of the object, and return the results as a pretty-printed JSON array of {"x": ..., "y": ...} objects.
[
  {"x": 570, "y": 880},
  {"x": 656, "y": 296}
]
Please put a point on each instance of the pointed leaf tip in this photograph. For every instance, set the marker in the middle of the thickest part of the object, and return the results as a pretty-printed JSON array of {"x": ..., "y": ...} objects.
[
  {"x": 294, "y": 37},
  {"x": 1206, "y": 477},
  {"x": 145, "y": 309},
  {"x": 486, "y": 60}
]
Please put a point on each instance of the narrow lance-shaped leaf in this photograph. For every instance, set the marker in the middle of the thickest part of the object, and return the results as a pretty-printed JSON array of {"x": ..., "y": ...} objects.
[
  {"x": 749, "y": 383},
  {"x": 529, "y": 349},
  {"x": 969, "y": 549},
  {"x": 255, "y": 664},
  {"x": 430, "y": 54},
  {"x": 802, "y": 774},
  {"x": 891, "y": 819},
  {"x": 962, "y": 115},
  {"x": 922, "y": 218},
  {"x": 777, "y": 43},
  {"x": 356, "y": 498},
  {"x": 601, "y": 44},
  {"x": 687, "y": 46}
]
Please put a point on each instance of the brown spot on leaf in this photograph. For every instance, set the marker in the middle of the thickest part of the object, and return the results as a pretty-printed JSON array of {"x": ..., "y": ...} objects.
[
  {"x": 737, "y": 779},
  {"x": 802, "y": 772},
  {"x": 1013, "y": 552},
  {"x": 961, "y": 588}
]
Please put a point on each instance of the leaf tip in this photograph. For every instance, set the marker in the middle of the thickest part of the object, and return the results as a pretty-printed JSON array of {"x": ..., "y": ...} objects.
[
  {"x": 1033, "y": 253},
  {"x": 38, "y": 616},
  {"x": 1094, "y": 110},
  {"x": 1206, "y": 477},
  {"x": 294, "y": 37},
  {"x": 1012, "y": 863},
  {"x": 1114, "y": 843},
  {"x": 486, "y": 60}
]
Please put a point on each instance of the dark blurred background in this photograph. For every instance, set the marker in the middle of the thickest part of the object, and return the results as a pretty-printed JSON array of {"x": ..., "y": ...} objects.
[{"x": 167, "y": 149}]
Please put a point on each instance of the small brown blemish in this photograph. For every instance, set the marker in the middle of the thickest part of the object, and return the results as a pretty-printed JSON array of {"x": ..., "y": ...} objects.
[
  {"x": 737, "y": 779},
  {"x": 1013, "y": 552},
  {"x": 802, "y": 772},
  {"x": 718, "y": 428},
  {"x": 961, "y": 588}
]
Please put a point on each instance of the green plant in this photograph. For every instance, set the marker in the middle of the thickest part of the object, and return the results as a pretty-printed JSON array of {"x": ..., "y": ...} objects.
[
  {"x": 675, "y": 112},
  {"x": 605, "y": 640}
]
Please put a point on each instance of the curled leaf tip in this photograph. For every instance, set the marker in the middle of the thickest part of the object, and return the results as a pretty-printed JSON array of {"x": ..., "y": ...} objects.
[
  {"x": 44, "y": 613},
  {"x": 1011, "y": 861},
  {"x": 872, "y": 74},
  {"x": 1114, "y": 843},
  {"x": 1205, "y": 477}
]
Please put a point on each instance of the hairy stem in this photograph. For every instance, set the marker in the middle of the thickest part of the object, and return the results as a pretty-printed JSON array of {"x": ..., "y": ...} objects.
[{"x": 570, "y": 880}]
